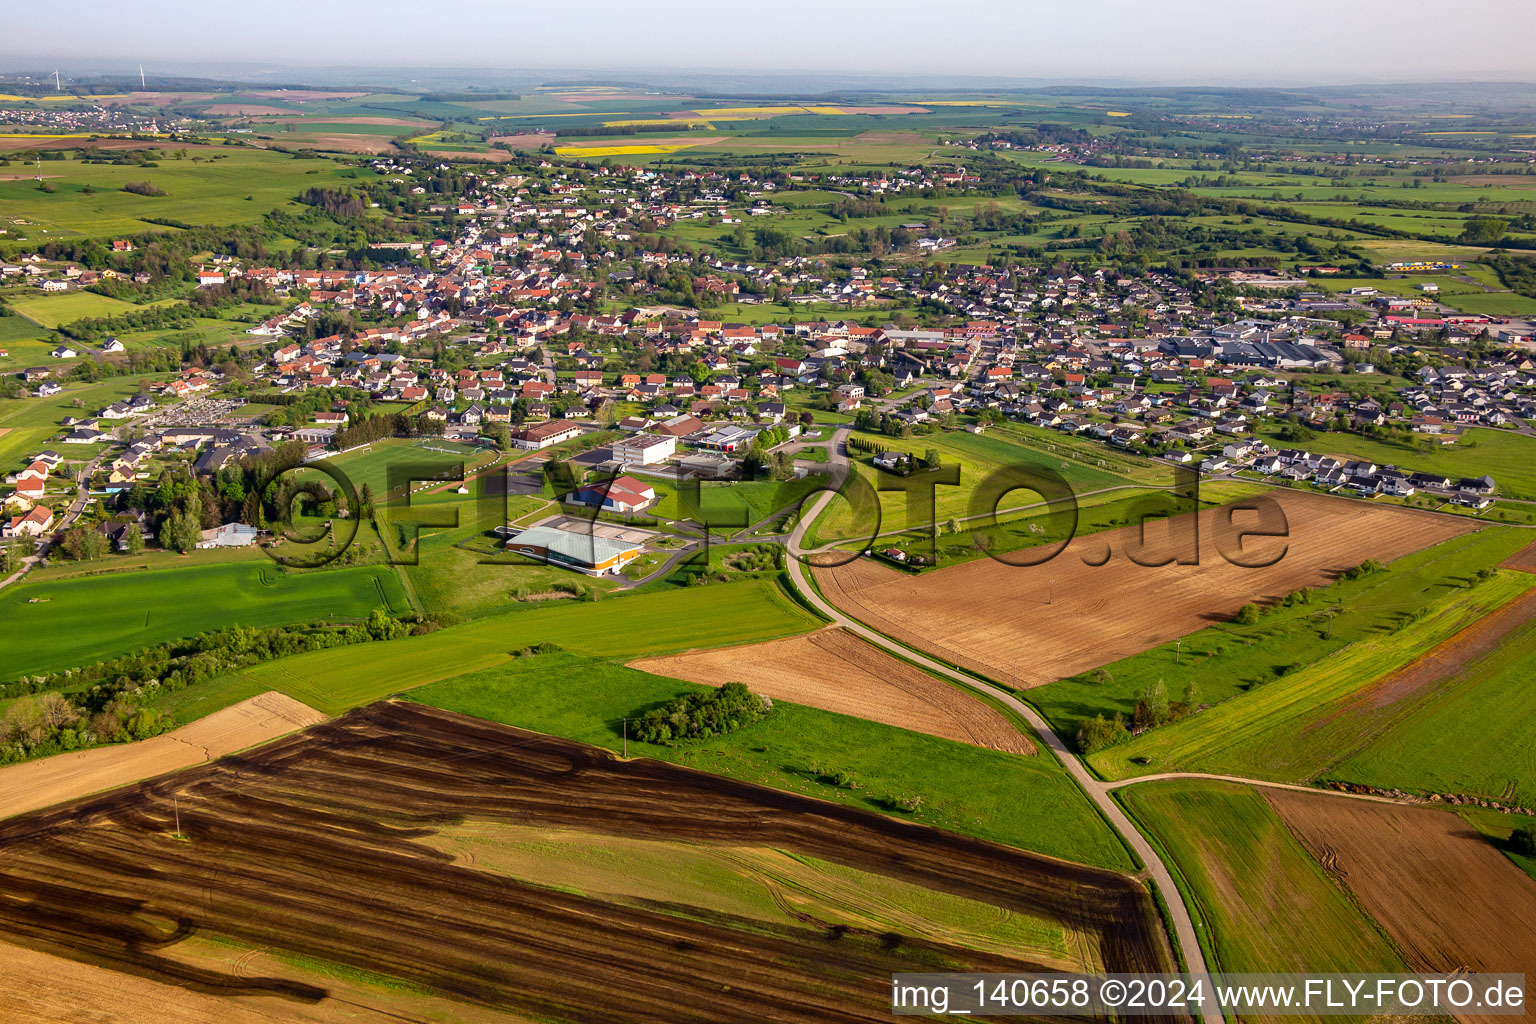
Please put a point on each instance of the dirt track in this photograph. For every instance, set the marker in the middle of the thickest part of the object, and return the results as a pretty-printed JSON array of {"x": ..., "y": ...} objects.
[
  {"x": 35, "y": 784},
  {"x": 1445, "y": 895},
  {"x": 1049, "y": 621},
  {"x": 310, "y": 845},
  {"x": 836, "y": 671}
]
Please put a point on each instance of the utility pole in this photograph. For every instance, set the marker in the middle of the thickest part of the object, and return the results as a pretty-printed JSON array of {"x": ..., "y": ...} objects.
[
  {"x": 1051, "y": 595},
  {"x": 176, "y": 804},
  {"x": 626, "y": 738},
  {"x": 1178, "y": 650}
]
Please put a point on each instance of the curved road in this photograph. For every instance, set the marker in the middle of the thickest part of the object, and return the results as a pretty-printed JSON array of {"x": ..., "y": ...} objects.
[{"x": 1097, "y": 790}]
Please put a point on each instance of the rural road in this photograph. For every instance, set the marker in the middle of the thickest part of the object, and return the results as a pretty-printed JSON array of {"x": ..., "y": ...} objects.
[
  {"x": 76, "y": 508},
  {"x": 1098, "y": 791}
]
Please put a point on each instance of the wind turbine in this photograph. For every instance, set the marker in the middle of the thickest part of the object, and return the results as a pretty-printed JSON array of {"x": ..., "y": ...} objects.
[{"x": 56, "y": 86}]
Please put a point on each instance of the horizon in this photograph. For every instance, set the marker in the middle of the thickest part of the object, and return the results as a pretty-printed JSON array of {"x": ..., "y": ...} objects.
[{"x": 1206, "y": 43}]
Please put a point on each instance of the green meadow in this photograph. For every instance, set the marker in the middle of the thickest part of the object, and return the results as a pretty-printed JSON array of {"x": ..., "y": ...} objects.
[
  {"x": 52, "y": 625},
  {"x": 219, "y": 185},
  {"x": 631, "y": 626},
  {"x": 1298, "y": 727}
]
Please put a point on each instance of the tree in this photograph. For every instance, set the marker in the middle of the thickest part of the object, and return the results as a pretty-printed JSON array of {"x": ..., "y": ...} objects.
[
  {"x": 1482, "y": 230},
  {"x": 1098, "y": 732},
  {"x": 1523, "y": 840},
  {"x": 1152, "y": 708},
  {"x": 180, "y": 532},
  {"x": 1248, "y": 614},
  {"x": 135, "y": 539},
  {"x": 82, "y": 543}
]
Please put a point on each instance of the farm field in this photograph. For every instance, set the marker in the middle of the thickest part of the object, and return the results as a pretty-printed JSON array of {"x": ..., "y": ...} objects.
[
  {"x": 1230, "y": 660},
  {"x": 1299, "y": 727},
  {"x": 632, "y": 626},
  {"x": 33, "y": 785},
  {"x": 53, "y": 310},
  {"x": 1447, "y": 897},
  {"x": 1027, "y": 802},
  {"x": 409, "y": 778},
  {"x": 210, "y": 186},
  {"x": 1265, "y": 903},
  {"x": 58, "y": 624},
  {"x": 835, "y": 671},
  {"x": 954, "y": 613}
]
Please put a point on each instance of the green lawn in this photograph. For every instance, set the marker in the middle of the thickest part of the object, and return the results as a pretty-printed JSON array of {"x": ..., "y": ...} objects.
[
  {"x": 52, "y": 625},
  {"x": 1028, "y": 802},
  {"x": 629, "y": 627},
  {"x": 1260, "y": 902},
  {"x": 1298, "y": 727},
  {"x": 1229, "y": 662}
]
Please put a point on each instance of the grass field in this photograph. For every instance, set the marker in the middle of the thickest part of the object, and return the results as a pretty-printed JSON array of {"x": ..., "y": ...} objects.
[
  {"x": 1261, "y": 903},
  {"x": 621, "y": 627},
  {"x": 53, "y": 310},
  {"x": 1024, "y": 802},
  {"x": 233, "y": 185},
  {"x": 1475, "y": 734},
  {"x": 57, "y": 624},
  {"x": 1229, "y": 661},
  {"x": 1279, "y": 730}
]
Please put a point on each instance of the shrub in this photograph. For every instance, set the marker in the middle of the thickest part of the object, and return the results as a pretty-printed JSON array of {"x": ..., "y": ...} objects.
[
  {"x": 143, "y": 188},
  {"x": 702, "y": 715},
  {"x": 1248, "y": 614},
  {"x": 1099, "y": 732}
]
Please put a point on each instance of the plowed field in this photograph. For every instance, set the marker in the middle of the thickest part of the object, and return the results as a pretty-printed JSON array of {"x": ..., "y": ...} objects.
[
  {"x": 326, "y": 846},
  {"x": 1036, "y": 624}
]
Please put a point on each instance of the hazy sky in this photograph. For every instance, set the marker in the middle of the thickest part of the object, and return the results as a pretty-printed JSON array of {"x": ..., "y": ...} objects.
[{"x": 1295, "y": 41}]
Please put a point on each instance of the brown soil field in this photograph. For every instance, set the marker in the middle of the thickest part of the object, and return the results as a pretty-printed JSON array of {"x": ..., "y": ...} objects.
[
  {"x": 51, "y": 780},
  {"x": 345, "y": 143},
  {"x": 1444, "y": 894},
  {"x": 1066, "y": 616},
  {"x": 836, "y": 671},
  {"x": 39, "y": 988},
  {"x": 1523, "y": 560},
  {"x": 532, "y": 141},
  {"x": 158, "y": 99},
  {"x": 239, "y": 109},
  {"x": 320, "y": 846},
  {"x": 889, "y": 138},
  {"x": 290, "y": 116}
]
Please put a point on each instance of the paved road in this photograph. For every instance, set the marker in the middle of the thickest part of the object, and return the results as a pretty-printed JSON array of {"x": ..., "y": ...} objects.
[{"x": 1098, "y": 791}]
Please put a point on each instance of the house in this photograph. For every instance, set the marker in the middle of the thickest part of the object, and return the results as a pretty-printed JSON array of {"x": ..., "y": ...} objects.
[
  {"x": 34, "y": 524},
  {"x": 644, "y": 449},
  {"x": 230, "y": 535},
  {"x": 623, "y": 494},
  {"x": 585, "y": 552},
  {"x": 63, "y": 352}
]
